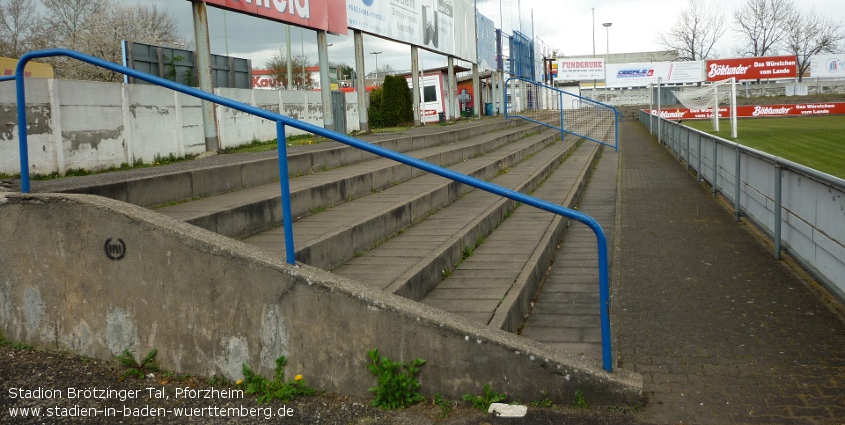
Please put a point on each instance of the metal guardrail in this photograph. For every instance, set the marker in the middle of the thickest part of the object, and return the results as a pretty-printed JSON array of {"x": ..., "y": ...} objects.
[
  {"x": 561, "y": 110},
  {"x": 282, "y": 121},
  {"x": 799, "y": 208}
]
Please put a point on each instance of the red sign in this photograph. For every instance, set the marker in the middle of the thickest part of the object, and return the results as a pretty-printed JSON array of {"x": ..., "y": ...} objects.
[
  {"x": 800, "y": 109},
  {"x": 327, "y": 15},
  {"x": 752, "y": 68}
]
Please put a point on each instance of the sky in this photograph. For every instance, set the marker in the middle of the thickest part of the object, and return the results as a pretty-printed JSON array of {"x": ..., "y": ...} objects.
[{"x": 568, "y": 26}]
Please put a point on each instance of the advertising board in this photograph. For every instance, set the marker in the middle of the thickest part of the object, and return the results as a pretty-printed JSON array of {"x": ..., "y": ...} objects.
[
  {"x": 749, "y": 111},
  {"x": 443, "y": 26},
  {"x": 752, "y": 68},
  {"x": 827, "y": 66},
  {"x": 327, "y": 15},
  {"x": 643, "y": 74},
  {"x": 580, "y": 69}
]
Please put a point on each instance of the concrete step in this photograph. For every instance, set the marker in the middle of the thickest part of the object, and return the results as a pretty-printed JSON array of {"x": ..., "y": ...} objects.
[
  {"x": 329, "y": 238},
  {"x": 154, "y": 186},
  {"x": 565, "y": 313},
  {"x": 416, "y": 260},
  {"x": 253, "y": 210},
  {"x": 520, "y": 250}
]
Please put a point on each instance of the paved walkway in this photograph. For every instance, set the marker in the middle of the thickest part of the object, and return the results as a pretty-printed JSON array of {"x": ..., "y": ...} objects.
[{"x": 721, "y": 332}]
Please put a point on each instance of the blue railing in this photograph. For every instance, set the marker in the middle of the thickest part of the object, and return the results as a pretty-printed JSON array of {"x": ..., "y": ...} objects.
[
  {"x": 282, "y": 121},
  {"x": 546, "y": 105}
]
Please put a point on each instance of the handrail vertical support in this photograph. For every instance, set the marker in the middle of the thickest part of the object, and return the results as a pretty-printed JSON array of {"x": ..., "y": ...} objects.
[
  {"x": 284, "y": 182},
  {"x": 22, "y": 129},
  {"x": 778, "y": 204},
  {"x": 738, "y": 182}
]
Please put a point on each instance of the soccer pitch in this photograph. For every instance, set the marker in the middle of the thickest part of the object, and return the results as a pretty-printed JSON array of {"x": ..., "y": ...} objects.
[{"x": 816, "y": 142}]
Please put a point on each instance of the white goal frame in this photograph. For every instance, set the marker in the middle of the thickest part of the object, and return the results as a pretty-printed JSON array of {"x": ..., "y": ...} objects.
[{"x": 709, "y": 97}]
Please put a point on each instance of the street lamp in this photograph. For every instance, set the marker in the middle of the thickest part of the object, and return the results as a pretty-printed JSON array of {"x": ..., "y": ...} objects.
[
  {"x": 376, "y": 53},
  {"x": 607, "y": 32}
]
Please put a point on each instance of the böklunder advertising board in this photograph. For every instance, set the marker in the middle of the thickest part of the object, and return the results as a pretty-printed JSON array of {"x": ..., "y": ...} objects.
[
  {"x": 800, "y": 109},
  {"x": 752, "y": 68}
]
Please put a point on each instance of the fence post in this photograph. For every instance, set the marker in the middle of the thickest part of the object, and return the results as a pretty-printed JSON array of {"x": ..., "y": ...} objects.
[
  {"x": 715, "y": 166},
  {"x": 778, "y": 204},
  {"x": 284, "y": 182},
  {"x": 738, "y": 182},
  {"x": 698, "y": 170},
  {"x": 687, "y": 159}
]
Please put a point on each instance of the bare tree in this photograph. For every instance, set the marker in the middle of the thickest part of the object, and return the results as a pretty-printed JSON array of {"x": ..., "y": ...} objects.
[
  {"x": 104, "y": 29},
  {"x": 302, "y": 79},
  {"x": 21, "y": 28},
  {"x": 696, "y": 31},
  {"x": 763, "y": 24},
  {"x": 66, "y": 19},
  {"x": 810, "y": 34}
]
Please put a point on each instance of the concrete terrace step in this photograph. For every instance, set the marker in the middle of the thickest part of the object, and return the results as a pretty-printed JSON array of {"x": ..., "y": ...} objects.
[
  {"x": 328, "y": 239},
  {"x": 160, "y": 185},
  {"x": 415, "y": 261},
  {"x": 566, "y": 312},
  {"x": 519, "y": 250},
  {"x": 250, "y": 211}
]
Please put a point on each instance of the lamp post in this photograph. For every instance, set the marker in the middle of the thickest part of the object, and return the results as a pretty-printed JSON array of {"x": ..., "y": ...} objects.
[
  {"x": 376, "y": 54},
  {"x": 594, "y": 48},
  {"x": 607, "y": 60}
]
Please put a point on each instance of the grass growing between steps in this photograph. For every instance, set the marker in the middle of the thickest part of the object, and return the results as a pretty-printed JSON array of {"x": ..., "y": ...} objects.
[
  {"x": 76, "y": 172},
  {"x": 301, "y": 140}
]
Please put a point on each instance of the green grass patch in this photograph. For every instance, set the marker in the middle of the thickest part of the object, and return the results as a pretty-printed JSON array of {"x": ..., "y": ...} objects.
[
  {"x": 270, "y": 145},
  {"x": 815, "y": 142}
]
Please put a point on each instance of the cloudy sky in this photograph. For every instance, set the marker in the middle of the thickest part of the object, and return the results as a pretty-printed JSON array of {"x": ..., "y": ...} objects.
[{"x": 565, "y": 25}]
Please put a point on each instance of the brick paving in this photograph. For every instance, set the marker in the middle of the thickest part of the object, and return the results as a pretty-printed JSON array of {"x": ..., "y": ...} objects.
[{"x": 721, "y": 332}]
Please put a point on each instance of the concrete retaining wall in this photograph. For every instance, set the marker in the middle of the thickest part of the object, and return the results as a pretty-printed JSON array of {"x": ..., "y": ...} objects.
[
  {"x": 94, "y": 125},
  {"x": 96, "y": 276}
]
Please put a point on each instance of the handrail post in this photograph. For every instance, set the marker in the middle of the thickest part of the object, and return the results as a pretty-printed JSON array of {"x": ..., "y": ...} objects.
[
  {"x": 23, "y": 143},
  {"x": 284, "y": 182},
  {"x": 689, "y": 155},
  {"x": 604, "y": 300}
]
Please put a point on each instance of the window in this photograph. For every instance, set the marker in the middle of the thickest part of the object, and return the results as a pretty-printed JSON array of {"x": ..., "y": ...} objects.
[{"x": 429, "y": 94}]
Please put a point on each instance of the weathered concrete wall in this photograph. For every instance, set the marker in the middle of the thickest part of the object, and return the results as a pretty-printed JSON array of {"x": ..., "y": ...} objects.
[
  {"x": 96, "y": 276},
  {"x": 95, "y": 125}
]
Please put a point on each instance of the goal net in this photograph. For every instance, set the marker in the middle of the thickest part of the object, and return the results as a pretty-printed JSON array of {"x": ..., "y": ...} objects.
[{"x": 718, "y": 98}]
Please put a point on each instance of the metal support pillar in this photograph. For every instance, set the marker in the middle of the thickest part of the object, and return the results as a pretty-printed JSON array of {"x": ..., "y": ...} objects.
[
  {"x": 778, "y": 204},
  {"x": 415, "y": 78},
  {"x": 738, "y": 183},
  {"x": 209, "y": 122},
  {"x": 476, "y": 90},
  {"x": 451, "y": 89},
  {"x": 360, "y": 82},
  {"x": 289, "y": 57},
  {"x": 325, "y": 81}
]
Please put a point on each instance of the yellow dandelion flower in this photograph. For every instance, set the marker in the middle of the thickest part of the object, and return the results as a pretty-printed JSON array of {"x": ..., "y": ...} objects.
[
  {"x": 239, "y": 382},
  {"x": 297, "y": 378}
]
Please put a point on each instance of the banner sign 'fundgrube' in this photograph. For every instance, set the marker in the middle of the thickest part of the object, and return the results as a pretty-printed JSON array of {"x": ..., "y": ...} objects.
[
  {"x": 327, "y": 15},
  {"x": 752, "y": 68}
]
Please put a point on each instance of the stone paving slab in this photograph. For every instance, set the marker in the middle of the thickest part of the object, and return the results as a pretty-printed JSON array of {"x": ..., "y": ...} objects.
[{"x": 721, "y": 332}]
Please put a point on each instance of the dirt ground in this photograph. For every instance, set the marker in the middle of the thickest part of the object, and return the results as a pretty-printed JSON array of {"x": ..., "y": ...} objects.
[{"x": 24, "y": 369}]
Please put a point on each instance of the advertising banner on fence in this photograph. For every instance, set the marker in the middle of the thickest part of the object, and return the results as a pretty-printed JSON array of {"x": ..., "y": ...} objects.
[
  {"x": 800, "y": 109},
  {"x": 752, "y": 68},
  {"x": 827, "y": 66},
  {"x": 328, "y": 15},
  {"x": 486, "y": 30},
  {"x": 580, "y": 69},
  {"x": 643, "y": 74},
  {"x": 444, "y": 26}
]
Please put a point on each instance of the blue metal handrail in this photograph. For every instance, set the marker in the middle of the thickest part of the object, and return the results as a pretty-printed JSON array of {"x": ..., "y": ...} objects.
[
  {"x": 563, "y": 130},
  {"x": 281, "y": 122}
]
